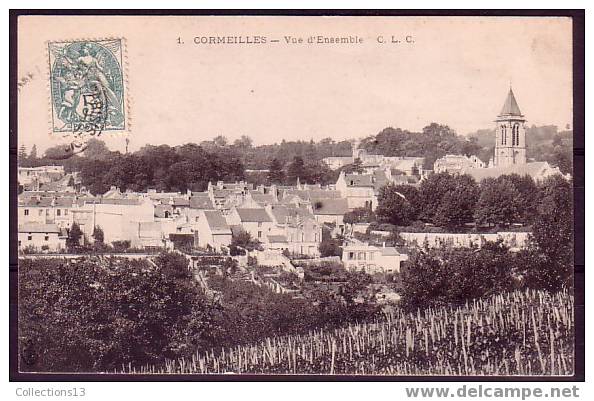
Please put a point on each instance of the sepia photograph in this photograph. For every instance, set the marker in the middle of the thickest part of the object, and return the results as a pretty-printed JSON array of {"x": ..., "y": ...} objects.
[{"x": 344, "y": 195}]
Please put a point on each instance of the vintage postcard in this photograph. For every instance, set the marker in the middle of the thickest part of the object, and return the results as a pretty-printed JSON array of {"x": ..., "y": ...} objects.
[{"x": 357, "y": 196}]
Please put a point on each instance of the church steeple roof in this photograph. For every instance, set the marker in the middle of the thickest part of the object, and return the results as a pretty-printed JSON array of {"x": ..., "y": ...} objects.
[{"x": 510, "y": 107}]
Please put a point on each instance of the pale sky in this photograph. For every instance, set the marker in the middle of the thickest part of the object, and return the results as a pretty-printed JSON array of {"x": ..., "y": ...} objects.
[{"x": 457, "y": 72}]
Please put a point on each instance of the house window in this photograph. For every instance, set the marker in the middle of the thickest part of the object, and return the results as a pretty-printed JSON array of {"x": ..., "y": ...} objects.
[
  {"x": 41, "y": 212},
  {"x": 29, "y": 238},
  {"x": 65, "y": 212},
  {"x": 351, "y": 255},
  {"x": 46, "y": 238},
  {"x": 370, "y": 255},
  {"x": 26, "y": 212},
  {"x": 58, "y": 212},
  {"x": 259, "y": 234}
]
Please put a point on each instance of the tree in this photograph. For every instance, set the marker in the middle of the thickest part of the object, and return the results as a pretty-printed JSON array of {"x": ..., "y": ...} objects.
[
  {"x": 98, "y": 235},
  {"x": 296, "y": 170},
  {"x": 330, "y": 247},
  {"x": 448, "y": 200},
  {"x": 243, "y": 143},
  {"x": 397, "y": 204},
  {"x": 220, "y": 140},
  {"x": 499, "y": 203},
  {"x": 276, "y": 175},
  {"x": 33, "y": 153},
  {"x": 527, "y": 200},
  {"x": 552, "y": 234},
  {"x": 241, "y": 239},
  {"x": 74, "y": 236},
  {"x": 452, "y": 276},
  {"x": 96, "y": 149}
]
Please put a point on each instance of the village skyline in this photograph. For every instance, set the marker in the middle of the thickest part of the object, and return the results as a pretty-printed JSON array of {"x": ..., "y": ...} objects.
[{"x": 306, "y": 92}]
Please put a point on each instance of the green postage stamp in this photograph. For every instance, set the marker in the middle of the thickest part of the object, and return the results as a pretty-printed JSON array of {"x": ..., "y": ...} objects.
[{"x": 87, "y": 87}]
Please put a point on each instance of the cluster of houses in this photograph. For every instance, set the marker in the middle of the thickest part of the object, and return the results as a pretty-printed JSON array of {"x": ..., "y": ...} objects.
[{"x": 284, "y": 219}]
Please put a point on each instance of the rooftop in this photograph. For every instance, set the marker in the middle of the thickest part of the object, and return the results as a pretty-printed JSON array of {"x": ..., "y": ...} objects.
[
  {"x": 330, "y": 206},
  {"x": 253, "y": 215},
  {"x": 200, "y": 200},
  {"x": 216, "y": 222},
  {"x": 510, "y": 107},
  {"x": 533, "y": 169}
]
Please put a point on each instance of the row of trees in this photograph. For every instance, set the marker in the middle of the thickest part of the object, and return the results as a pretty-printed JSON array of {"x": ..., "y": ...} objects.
[
  {"x": 451, "y": 201},
  {"x": 311, "y": 172},
  {"x": 191, "y": 165},
  {"x": 448, "y": 276}
]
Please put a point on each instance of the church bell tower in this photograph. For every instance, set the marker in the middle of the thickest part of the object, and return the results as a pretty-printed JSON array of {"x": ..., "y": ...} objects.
[{"x": 510, "y": 137}]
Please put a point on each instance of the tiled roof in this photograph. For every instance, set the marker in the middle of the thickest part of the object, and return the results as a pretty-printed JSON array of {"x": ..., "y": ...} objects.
[
  {"x": 179, "y": 201},
  {"x": 216, "y": 222},
  {"x": 330, "y": 206},
  {"x": 38, "y": 228},
  {"x": 263, "y": 198},
  {"x": 253, "y": 215},
  {"x": 45, "y": 202},
  {"x": 200, "y": 201},
  {"x": 223, "y": 193},
  {"x": 534, "y": 170},
  {"x": 390, "y": 251},
  {"x": 103, "y": 201},
  {"x": 308, "y": 194},
  {"x": 281, "y": 212}
]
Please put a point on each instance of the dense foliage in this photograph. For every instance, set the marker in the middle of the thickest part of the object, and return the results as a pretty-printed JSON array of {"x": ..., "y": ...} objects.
[
  {"x": 433, "y": 142},
  {"x": 451, "y": 276},
  {"x": 442, "y": 276},
  {"x": 99, "y": 313},
  {"x": 454, "y": 201},
  {"x": 96, "y": 314}
]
